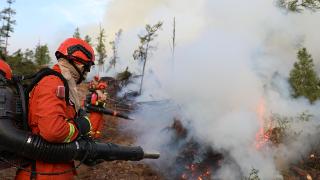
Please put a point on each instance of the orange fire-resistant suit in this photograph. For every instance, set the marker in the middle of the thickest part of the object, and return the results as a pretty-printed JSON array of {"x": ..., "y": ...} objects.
[
  {"x": 96, "y": 119},
  {"x": 51, "y": 118}
]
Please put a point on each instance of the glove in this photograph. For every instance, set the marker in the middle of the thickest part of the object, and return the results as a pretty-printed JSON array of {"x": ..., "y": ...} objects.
[{"x": 83, "y": 123}]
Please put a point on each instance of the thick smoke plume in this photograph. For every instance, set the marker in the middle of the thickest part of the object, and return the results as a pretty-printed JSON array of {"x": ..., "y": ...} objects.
[{"x": 229, "y": 56}]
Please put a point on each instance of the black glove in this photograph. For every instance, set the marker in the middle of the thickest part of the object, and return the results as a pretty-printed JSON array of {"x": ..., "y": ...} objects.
[{"x": 83, "y": 123}]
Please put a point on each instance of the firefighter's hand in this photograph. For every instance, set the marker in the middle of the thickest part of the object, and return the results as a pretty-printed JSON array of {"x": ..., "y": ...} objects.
[
  {"x": 83, "y": 123},
  {"x": 101, "y": 96}
]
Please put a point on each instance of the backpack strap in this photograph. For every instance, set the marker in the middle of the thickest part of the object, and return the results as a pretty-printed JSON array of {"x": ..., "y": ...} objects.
[{"x": 46, "y": 72}]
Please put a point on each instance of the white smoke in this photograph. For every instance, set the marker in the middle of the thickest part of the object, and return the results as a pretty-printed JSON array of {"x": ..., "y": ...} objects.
[{"x": 229, "y": 55}]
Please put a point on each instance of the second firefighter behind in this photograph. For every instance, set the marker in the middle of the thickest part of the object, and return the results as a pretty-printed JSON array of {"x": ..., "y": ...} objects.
[{"x": 98, "y": 98}]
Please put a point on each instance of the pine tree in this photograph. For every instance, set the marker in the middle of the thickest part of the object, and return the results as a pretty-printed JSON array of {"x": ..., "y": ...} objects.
[
  {"x": 303, "y": 78},
  {"x": 88, "y": 39},
  {"x": 114, "y": 47},
  {"x": 142, "y": 52},
  {"x": 76, "y": 33},
  {"x": 299, "y": 5},
  {"x": 42, "y": 57},
  {"x": 7, "y": 24},
  {"x": 101, "y": 48}
]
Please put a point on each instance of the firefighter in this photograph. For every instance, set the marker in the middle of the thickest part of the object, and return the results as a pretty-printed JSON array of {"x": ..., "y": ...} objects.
[
  {"x": 50, "y": 116},
  {"x": 94, "y": 83},
  {"x": 98, "y": 88}
]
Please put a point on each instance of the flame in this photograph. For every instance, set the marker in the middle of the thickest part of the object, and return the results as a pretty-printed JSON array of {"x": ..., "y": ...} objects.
[
  {"x": 194, "y": 171},
  {"x": 261, "y": 137}
]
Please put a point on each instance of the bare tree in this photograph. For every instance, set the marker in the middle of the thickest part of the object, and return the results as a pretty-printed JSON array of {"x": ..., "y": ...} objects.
[
  {"x": 114, "y": 46},
  {"x": 141, "y": 53},
  {"x": 173, "y": 37},
  {"x": 173, "y": 43}
]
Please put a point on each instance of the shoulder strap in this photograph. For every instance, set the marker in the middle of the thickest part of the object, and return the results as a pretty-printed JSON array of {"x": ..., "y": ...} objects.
[{"x": 46, "y": 72}]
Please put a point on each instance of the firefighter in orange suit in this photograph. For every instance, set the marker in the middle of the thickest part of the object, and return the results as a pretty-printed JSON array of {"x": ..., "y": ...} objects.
[
  {"x": 50, "y": 116},
  {"x": 98, "y": 99}
]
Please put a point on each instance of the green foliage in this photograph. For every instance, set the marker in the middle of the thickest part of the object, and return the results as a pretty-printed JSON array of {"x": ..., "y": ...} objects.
[
  {"x": 28, "y": 55},
  {"x": 21, "y": 64},
  {"x": 283, "y": 127},
  {"x": 2, "y": 54},
  {"x": 304, "y": 116},
  {"x": 141, "y": 53},
  {"x": 88, "y": 39},
  {"x": 76, "y": 33},
  {"x": 41, "y": 55},
  {"x": 101, "y": 48},
  {"x": 254, "y": 175},
  {"x": 299, "y": 5},
  {"x": 124, "y": 77},
  {"x": 303, "y": 78}
]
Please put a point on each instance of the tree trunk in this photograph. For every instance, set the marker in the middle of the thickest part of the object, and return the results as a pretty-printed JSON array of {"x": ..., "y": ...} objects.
[{"x": 144, "y": 66}]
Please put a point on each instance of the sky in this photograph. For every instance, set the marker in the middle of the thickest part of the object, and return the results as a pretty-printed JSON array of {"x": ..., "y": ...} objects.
[{"x": 51, "y": 21}]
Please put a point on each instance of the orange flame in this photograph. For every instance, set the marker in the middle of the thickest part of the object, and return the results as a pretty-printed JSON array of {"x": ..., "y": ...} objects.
[
  {"x": 196, "y": 173},
  {"x": 261, "y": 137}
]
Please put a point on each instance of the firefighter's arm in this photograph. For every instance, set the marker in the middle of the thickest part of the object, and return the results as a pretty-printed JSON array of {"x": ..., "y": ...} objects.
[{"x": 51, "y": 113}]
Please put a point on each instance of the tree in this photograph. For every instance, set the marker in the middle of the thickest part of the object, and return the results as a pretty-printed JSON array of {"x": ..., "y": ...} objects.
[
  {"x": 28, "y": 55},
  {"x": 7, "y": 24},
  {"x": 101, "y": 48},
  {"x": 254, "y": 175},
  {"x": 21, "y": 65},
  {"x": 42, "y": 57},
  {"x": 124, "y": 77},
  {"x": 303, "y": 78},
  {"x": 114, "y": 46},
  {"x": 88, "y": 39},
  {"x": 299, "y": 5},
  {"x": 141, "y": 53},
  {"x": 173, "y": 45},
  {"x": 1, "y": 34},
  {"x": 76, "y": 33}
]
